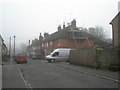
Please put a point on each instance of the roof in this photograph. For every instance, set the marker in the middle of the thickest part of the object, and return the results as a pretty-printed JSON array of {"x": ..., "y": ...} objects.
[
  {"x": 4, "y": 46},
  {"x": 64, "y": 33},
  {"x": 69, "y": 32},
  {"x": 1, "y": 38},
  {"x": 56, "y": 35},
  {"x": 115, "y": 17},
  {"x": 37, "y": 43}
]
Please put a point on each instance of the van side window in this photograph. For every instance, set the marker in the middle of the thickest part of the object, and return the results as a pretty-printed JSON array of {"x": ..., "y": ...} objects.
[{"x": 55, "y": 54}]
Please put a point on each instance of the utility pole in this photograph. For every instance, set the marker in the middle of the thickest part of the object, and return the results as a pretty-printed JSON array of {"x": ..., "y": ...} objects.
[
  {"x": 14, "y": 45},
  {"x": 29, "y": 48},
  {"x": 10, "y": 48}
]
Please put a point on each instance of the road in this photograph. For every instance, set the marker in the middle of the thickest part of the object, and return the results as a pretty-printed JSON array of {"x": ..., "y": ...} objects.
[
  {"x": 41, "y": 74},
  {"x": 0, "y": 76}
]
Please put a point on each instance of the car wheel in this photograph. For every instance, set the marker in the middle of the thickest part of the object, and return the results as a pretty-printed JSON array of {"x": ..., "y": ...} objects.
[
  {"x": 52, "y": 60},
  {"x": 49, "y": 60}
]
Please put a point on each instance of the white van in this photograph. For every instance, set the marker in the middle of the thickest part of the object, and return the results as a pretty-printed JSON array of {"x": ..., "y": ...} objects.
[{"x": 60, "y": 54}]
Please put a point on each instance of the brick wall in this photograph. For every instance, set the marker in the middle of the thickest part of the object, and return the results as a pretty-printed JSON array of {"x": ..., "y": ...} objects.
[{"x": 67, "y": 43}]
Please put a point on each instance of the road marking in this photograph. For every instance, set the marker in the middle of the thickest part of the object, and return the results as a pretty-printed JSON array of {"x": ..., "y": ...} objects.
[
  {"x": 25, "y": 81},
  {"x": 100, "y": 76}
]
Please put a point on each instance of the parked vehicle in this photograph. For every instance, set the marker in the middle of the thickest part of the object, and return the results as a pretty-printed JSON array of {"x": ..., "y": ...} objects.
[
  {"x": 21, "y": 58},
  {"x": 60, "y": 54}
]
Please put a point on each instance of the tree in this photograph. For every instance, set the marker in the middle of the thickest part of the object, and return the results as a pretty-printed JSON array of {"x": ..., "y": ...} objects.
[{"x": 98, "y": 32}]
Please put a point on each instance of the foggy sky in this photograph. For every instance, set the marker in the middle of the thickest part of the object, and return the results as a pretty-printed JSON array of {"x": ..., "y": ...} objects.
[{"x": 26, "y": 19}]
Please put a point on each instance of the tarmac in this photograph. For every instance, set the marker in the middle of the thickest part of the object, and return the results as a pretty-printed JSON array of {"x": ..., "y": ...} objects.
[
  {"x": 10, "y": 66},
  {"x": 101, "y": 73},
  {"x": 0, "y": 76}
]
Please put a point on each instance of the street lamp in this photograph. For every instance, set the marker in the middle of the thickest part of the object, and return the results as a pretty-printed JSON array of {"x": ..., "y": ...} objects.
[
  {"x": 10, "y": 48},
  {"x": 14, "y": 45},
  {"x": 29, "y": 48}
]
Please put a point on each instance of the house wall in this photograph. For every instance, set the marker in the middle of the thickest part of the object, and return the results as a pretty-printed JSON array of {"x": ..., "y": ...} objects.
[
  {"x": 0, "y": 50},
  {"x": 58, "y": 43},
  {"x": 116, "y": 31},
  {"x": 67, "y": 43}
]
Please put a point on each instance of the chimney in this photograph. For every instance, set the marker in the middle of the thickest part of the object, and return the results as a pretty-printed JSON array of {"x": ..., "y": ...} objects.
[
  {"x": 59, "y": 27},
  {"x": 46, "y": 35},
  {"x": 40, "y": 37},
  {"x": 73, "y": 23},
  {"x": 63, "y": 25}
]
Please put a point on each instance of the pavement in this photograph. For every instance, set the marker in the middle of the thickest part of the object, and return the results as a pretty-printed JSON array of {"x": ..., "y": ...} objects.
[
  {"x": 0, "y": 76},
  {"x": 11, "y": 73},
  {"x": 101, "y": 73}
]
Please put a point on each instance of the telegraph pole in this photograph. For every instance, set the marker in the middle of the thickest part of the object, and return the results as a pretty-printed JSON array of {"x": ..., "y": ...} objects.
[
  {"x": 29, "y": 48},
  {"x": 14, "y": 45},
  {"x": 10, "y": 48}
]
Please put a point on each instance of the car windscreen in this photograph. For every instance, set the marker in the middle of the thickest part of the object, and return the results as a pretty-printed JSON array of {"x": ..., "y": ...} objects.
[{"x": 22, "y": 55}]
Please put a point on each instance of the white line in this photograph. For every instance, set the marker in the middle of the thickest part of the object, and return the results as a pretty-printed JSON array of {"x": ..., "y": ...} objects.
[{"x": 26, "y": 83}]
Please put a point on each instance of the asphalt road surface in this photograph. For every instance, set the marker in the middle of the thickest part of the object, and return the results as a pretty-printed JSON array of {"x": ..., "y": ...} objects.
[{"x": 41, "y": 74}]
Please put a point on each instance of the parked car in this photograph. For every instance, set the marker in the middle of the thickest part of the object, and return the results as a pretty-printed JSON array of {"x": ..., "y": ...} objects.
[
  {"x": 21, "y": 58},
  {"x": 60, "y": 54}
]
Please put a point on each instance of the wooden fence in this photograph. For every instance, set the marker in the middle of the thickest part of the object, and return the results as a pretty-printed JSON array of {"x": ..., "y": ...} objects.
[{"x": 96, "y": 58}]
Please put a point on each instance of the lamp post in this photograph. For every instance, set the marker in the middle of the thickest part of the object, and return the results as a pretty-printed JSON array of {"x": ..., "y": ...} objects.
[
  {"x": 14, "y": 45},
  {"x": 29, "y": 48},
  {"x": 10, "y": 48}
]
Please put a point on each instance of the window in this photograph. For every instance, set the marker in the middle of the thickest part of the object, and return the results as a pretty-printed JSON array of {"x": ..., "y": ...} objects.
[
  {"x": 42, "y": 45},
  {"x": 59, "y": 41},
  {"x": 47, "y": 44},
  {"x": 55, "y": 54},
  {"x": 51, "y": 43}
]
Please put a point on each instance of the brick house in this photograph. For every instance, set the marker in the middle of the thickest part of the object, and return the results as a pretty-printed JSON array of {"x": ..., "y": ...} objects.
[
  {"x": 116, "y": 30},
  {"x": 69, "y": 37},
  {"x": 66, "y": 37},
  {"x": 35, "y": 48}
]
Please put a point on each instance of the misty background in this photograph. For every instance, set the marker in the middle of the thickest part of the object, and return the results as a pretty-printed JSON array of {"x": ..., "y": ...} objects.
[{"x": 26, "y": 19}]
